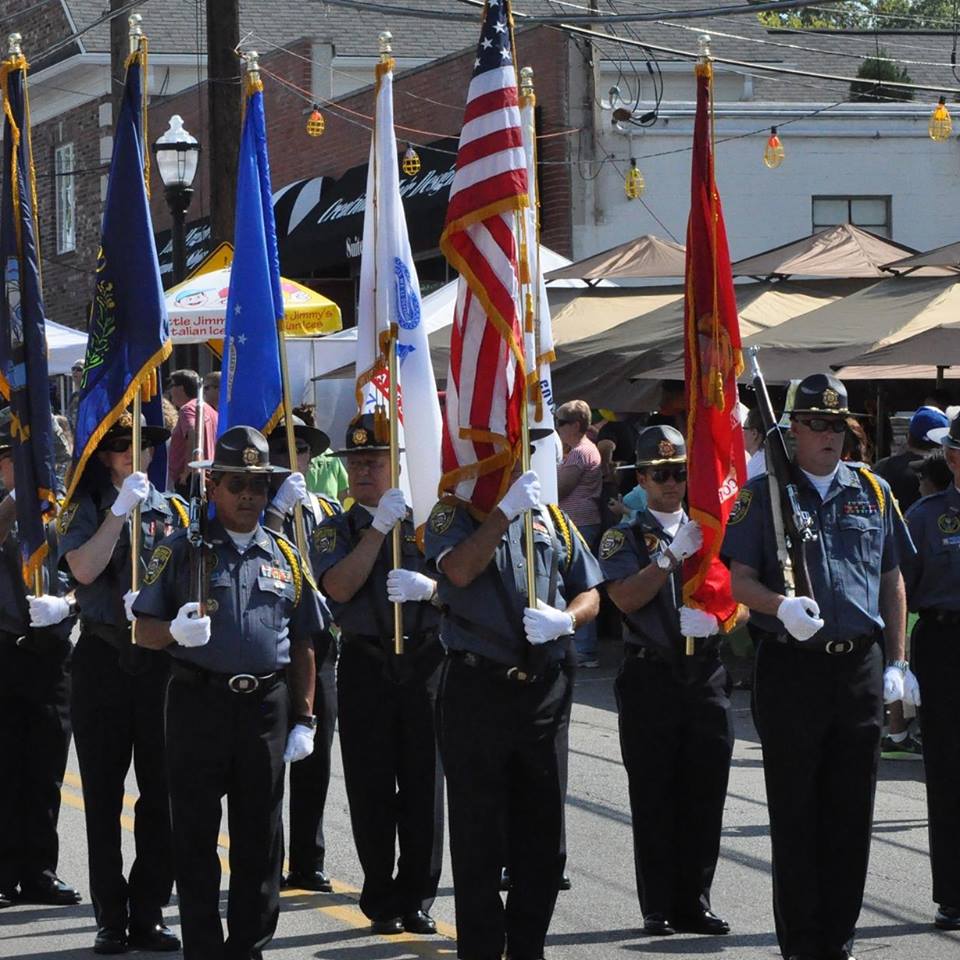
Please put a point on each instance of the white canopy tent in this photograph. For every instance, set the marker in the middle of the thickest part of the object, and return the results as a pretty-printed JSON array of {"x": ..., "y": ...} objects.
[{"x": 64, "y": 346}]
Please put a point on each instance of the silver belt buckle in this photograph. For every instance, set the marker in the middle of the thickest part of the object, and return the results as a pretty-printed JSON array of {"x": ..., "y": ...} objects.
[
  {"x": 243, "y": 683},
  {"x": 839, "y": 646}
]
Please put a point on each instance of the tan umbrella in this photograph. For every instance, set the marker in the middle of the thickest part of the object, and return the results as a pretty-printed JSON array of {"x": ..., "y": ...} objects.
[{"x": 646, "y": 256}]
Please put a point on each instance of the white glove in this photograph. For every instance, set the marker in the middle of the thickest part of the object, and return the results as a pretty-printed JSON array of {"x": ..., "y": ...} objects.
[
  {"x": 546, "y": 623},
  {"x": 893, "y": 685},
  {"x": 391, "y": 509},
  {"x": 409, "y": 586},
  {"x": 129, "y": 598},
  {"x": 697, "y": 623},
  {"x": 299, "y": 744},
  {"x": 800, "y": 616},
  {"x": 524, "y": 494},
  {"x": 189, "y": 629},
  {"x": 134, "y": 491},
  {"x": 911, "y": 688},
  {"x": 688, "y": 540},
  {"x": 47, "y": 610},
  {"x": 12, "y": 494},
  {"x": 292, "y": 491}
]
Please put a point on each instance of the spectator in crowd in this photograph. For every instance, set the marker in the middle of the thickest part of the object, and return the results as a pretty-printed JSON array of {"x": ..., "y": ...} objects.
[
  {"x": 579, "y": 484},
  {"x": 857, "y": 447},
  {"x": 753, "y": 439},
  {"x": 170, "y": 415},
  {"x": 184, "y": 387},
  {"x": 672, "y": 411},
  {"x": 896, "y": 470},
  {"x": 76, "y": 373},
  {"x": 62, "y": 446},
  {"x": 933, "y": 474},
  {"x": 211, "y": 389}
]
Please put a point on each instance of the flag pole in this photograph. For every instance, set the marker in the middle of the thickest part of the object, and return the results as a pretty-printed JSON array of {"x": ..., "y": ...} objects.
[
  {"x": 252, "y": 61},
  {"x": 393, "y": 373},
  {"x": 136, "y": 39}
]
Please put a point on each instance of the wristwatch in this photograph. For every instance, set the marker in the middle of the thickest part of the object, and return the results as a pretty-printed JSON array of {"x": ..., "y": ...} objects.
[
  {"x": 666, "y": 560},
  {"x": 305, "y": 720},
  {"x": 902, "y": 665}
]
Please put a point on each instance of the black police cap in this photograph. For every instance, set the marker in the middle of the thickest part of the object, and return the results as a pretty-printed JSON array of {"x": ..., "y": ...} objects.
[
  {"x": 123, "y": 428},
  {"x": 820, "y": 393},
  {"x": 660, "y": 444},
  {"x": 240, "y": 450},
  {"x": 366, "y": 431}
]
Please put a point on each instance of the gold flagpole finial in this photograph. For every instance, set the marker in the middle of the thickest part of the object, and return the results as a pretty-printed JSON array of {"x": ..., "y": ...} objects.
[
  {"x": 385, "y": 40},
  {"x": 14, "y": 48},
  {"x": 134, "y": 22},
  {"x": 526, "y": 81},
  {"x": 252, "y": 59},
  {"x": 703, "y": 45}
]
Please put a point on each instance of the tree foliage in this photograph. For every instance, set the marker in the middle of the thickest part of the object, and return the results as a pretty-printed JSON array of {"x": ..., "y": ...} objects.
[
  {"x": 881, "y": 69},
  {"x": 866, "y": 15}
]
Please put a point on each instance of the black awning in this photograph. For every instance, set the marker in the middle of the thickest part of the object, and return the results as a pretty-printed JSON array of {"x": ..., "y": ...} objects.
[{"x": 326, "y": 240}]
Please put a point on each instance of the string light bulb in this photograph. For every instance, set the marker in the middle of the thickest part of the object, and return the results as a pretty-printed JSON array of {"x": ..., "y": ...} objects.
[
  {"x": 411, "y": 161},
  {"x": 940, "y": 123},
  {"x": 773, "y": 152},
  {"x": 315, "y": 123},
  {"x": 634, "y": 185}
]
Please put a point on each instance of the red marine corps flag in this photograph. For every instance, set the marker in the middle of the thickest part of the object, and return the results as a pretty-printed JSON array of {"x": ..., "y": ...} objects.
[
  {"x": 486, "y": 379},
  {"x": 712, "y": 363}
]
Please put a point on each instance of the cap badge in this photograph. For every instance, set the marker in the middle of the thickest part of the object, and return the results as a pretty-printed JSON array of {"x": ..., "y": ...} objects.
[
  {"x": 251, "y": 456},
  {"x": 359, "y": 438},
  {"x": 831, "y": 398},
  {"x": 666, "y": 448}
]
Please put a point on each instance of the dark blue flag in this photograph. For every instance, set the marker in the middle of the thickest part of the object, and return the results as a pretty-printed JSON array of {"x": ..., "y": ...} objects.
[
  {"x": 128, "y": 330},
  {"x": 250, "y": 388},
  {"x": 23, "y": 339}
]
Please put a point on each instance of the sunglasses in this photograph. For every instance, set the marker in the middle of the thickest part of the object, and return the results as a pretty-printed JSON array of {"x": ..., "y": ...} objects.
[
  {"x": 123, "y": 444},
  {"x": 258, "y": 486},
  {"x": 663, "y": 474},
  {"x": 822, "y": 424}
]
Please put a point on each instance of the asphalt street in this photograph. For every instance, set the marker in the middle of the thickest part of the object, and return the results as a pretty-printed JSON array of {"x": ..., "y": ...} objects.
[{"x": 599, "y": 918}]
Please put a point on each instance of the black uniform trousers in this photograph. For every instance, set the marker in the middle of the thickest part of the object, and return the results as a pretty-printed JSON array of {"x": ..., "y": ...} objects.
[
  {"x": 34, "y": 740},
  {"x": 117, "y": 710},
  {"x": 391, "y": 769},
  {"x": 676, "y": 738},
  {"x": 935, "y": 659},
  {"x": 502, "y": 744},
  {"x": 221, "y": 743},
  {"x": 310, "y": 777},
  {"x": 819, "y": 718}
]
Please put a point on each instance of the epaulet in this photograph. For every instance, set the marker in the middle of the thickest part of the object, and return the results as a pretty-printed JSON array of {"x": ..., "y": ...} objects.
[
  {"x": 180, "y": 508},
  {"x": 877, "y": 488},
  {"x": 326, "y": 506},
  {"x": 563, "y": 528},
  {"x": 287, "y": 549}
]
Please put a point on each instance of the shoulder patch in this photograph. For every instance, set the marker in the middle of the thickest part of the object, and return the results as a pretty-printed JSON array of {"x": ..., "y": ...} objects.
[
  {"x": 611, "y": 543},
  {"x": 66, "y": 518},
  {"x": 741, "y": 508},
  {"x": 325, "y": 538},
  {"x": 159, "y": 560},
  {"x": 441, "y": 517},
  {"x": 948, "y": 523}
]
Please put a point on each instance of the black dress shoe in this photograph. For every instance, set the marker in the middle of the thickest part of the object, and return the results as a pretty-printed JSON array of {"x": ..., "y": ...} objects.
[
  {"x": 51, "y": 891},
  {"x": 657, "y": 925},
  {"x": 315, "y": 880},
  {"x": 387, "y": 928},
  {"x": 565, "y": 883},
  {"x": 947, "y": 918},
  {"x": 110, "y": 940},
  {"x": 159, "y": 938},
  {"x": 704, "y": 922},
  {"x": 419, "y": 922}
]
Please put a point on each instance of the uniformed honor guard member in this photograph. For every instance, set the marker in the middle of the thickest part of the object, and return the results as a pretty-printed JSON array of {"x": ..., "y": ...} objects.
[
  {"x": 229, "y": 728},
  {"x": 118, "y": 689},
  {"x": 933, "y": 591},
  {"x": 505, "y": 696},
  {"x": 34, "y": 712},
  {"x": 310, "y": 778},
  {"x": 387, "y": 702},
  {"x": 820, "y": 681},
  {"x": 676, "y": 726}
]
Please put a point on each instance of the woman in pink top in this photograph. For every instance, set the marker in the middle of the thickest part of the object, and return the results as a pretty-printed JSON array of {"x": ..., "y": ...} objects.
[{"x": 579, "y": 483}]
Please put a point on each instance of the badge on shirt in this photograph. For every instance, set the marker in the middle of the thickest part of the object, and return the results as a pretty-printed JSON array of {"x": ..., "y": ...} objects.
[
  {"x": 275, "y": 573},
  {"x": 741, "y": 508},
  {"x": 611, "y": 543},
  {"x": 652, "y": 542},
  {"x": 948, "y": 523},
  {"x": 66, "y": 518},
  {"x": 325, "y": 539},
  {"x": 159, "y": 560},
  {"x": 441, "y": 517},
  {"x": 860, "y": 508}
]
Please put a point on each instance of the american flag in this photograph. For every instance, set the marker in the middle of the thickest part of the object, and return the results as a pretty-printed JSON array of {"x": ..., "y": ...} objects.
[{"x": 485, "y": 383}]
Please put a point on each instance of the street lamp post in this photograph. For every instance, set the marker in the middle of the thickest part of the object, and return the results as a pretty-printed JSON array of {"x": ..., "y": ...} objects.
[{"x": 177, "y": 153}]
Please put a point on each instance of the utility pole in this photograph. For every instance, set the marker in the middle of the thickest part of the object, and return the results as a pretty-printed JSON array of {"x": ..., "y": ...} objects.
[
  {"x": 119, "y": 49},
  {"x": 224, "y": 99}
]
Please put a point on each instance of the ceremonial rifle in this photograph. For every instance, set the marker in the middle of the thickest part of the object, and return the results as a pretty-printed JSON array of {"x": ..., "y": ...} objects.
[
  {"x": 792, "y": 525},
  {"x": 197, "y": 525}
]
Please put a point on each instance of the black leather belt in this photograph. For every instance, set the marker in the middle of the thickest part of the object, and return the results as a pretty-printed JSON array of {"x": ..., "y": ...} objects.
[
  {"x": 946, "y": 617},
  {"x": 502, "y": 671},
  {"x": 831, "y": 647},
  {"x": 236, "y": 683}
]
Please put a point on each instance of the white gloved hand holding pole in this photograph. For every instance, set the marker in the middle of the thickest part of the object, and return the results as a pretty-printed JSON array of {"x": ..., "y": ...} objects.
[
  {"x": 524, "y": 494},
  {"x": 546, "y": 623},
  {"x": 46, "y": 611},
  {"x": 299, "y": 744},
  {"x": 391, "y": 509},
  {"x": 293, "y": 490},
  {"x": 129, "y": 599},
  {"x": 134, "y": 491},
  {"x": 188, "y": 628},
  {"x": 408, "y": 586},
  {"x": 687, "y": 541},
  {"x": 698, "y": 623},
  {"x": 800, "y": 616}
]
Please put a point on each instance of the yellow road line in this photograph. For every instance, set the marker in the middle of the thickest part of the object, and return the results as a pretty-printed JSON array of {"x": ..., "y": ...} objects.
[{"x": 349, "y": 915}]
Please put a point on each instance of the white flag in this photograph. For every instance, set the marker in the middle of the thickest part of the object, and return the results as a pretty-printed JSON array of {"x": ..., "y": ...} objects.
[
  {"x": 390, "y": 294},
  {"x": 538, "y": 347}
]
